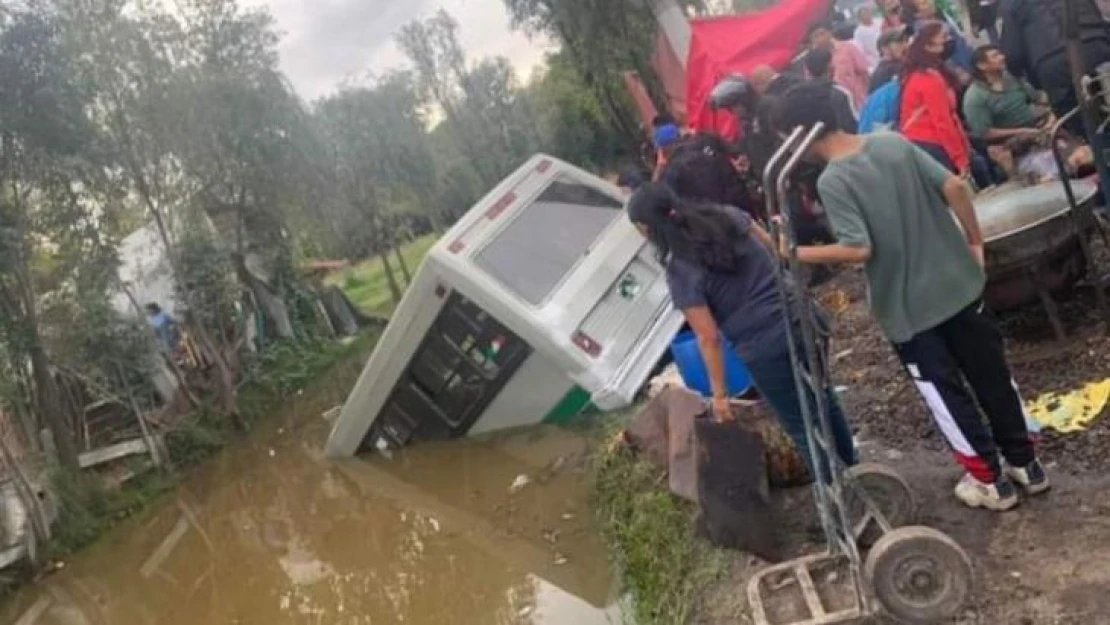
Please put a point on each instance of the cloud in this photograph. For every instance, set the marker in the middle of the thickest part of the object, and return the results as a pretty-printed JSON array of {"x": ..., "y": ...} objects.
[{"x": 327, "y": 42}]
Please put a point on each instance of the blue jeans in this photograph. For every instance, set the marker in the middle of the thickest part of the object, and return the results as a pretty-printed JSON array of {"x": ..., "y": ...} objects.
[{"x": 774, "y": 378}]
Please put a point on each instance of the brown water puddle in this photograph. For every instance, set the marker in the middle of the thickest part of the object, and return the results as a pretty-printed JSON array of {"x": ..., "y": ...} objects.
[{"x": 273, "y": 533}]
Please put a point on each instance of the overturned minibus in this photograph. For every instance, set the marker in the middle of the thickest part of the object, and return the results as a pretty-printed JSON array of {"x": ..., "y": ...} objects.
[{"x": 541, "y": 302}]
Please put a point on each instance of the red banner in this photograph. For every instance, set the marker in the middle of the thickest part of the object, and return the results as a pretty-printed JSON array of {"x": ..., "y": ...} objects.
[{"x": 738, "y": 43}]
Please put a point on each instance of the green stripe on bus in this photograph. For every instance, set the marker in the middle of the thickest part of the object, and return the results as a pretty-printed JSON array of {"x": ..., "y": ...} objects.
[{"x": 574, "y": 403}]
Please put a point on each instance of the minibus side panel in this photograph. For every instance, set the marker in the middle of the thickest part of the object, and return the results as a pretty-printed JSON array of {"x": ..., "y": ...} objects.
[{"x": 534, "y": 392}]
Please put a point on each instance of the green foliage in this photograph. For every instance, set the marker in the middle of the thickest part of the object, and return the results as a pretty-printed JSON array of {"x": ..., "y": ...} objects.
[
  {"x": 651, "y": 533},
  {"x": 207, "y": 273},
  {"x": 200, "y": 436},
  {"x": 86, "y": 509},
  {"x": 602, "y": 39},
  {"x": 365, "y": 284}
]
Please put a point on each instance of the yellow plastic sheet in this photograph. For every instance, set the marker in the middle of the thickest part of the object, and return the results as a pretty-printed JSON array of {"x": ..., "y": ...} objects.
[{"x": 1070, "y": 411}]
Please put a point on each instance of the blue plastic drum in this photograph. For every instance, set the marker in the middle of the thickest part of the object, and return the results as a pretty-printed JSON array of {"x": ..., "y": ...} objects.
[{"x": 687, "y": 356}]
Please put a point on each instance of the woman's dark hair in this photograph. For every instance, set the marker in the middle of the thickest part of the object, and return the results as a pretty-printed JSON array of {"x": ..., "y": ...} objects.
[
  {"x": 153, "y": 308},
  {"x": 918, "y": 59},
  {"x": 696, "y": 233}
]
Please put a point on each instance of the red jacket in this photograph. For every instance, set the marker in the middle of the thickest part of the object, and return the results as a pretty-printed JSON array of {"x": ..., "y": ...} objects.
[{"x": 928, "y": 114}]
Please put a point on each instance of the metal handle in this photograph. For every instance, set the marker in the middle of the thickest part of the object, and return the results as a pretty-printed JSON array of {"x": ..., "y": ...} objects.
[{"x": 769, "y": 190}]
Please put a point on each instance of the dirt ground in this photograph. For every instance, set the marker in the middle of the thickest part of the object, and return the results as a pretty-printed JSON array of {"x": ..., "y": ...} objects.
[{"x": 1046, "y": 563}]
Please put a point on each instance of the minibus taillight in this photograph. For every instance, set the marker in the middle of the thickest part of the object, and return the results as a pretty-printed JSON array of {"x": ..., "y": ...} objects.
[
  {"x": 498, "y": 207},
  {"x": 586, "y": 344}
]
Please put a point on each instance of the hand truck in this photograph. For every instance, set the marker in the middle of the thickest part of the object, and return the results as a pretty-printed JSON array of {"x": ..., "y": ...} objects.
[{"x": 915, "y": 574}]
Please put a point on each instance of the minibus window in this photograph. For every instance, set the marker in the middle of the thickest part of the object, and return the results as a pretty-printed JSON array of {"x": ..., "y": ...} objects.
[{"x": 548, "y": 238}]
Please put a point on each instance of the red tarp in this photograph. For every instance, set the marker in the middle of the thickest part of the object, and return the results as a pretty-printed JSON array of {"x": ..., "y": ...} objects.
[{"x": 736, "y": 44}]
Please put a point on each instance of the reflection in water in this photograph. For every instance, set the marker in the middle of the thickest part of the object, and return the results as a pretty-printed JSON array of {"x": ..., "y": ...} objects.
[{"x": 430, "y": 537}]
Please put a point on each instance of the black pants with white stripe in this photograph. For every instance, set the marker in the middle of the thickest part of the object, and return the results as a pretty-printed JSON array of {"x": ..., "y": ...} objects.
[{"x": 944, "y": 361}]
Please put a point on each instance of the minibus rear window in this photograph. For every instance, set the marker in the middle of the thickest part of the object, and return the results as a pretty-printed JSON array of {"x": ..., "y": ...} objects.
[{"x": 547, "y": 238}]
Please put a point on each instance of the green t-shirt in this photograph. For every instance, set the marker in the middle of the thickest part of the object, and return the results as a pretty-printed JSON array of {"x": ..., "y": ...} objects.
[
  {"x": 1012, "y": 107},
  {"x": 889, "y": 197}
]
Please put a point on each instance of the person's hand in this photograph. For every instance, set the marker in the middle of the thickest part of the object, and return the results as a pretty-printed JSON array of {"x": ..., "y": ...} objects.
[
  {"x": 722, "y": 410},
  {"x": 979, "y": 254}
]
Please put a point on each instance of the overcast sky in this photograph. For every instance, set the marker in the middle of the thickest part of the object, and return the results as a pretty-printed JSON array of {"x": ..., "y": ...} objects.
[{"x": 326, "y": 42}]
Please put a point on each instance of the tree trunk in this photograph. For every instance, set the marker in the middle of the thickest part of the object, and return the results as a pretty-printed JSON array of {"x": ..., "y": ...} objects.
[
  {"x": 404, "y": 266},
  {"x": 50, "y": 405},
  {"x": 394, "y": 289}
]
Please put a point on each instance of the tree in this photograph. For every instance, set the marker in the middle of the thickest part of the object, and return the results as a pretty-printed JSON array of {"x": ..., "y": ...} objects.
[
  {"x": 355, "y": 120},
  {"x": 433, "y": 48},
  {"x": 43, "y": 135},
  {"x": 571, "y": 122},
  {"x": 601, "y": 39}
]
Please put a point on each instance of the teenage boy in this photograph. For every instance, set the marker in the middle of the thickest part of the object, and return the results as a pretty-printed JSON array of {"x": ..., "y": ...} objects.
[{"x": 888, "y": 205}]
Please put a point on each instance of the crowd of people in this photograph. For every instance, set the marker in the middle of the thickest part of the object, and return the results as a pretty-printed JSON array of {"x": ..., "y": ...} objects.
[{"x": 962, "y": 116}]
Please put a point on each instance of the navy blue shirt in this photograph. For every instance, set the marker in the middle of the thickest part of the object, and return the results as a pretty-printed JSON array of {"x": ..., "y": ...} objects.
[{"x": 746, "y": 304}]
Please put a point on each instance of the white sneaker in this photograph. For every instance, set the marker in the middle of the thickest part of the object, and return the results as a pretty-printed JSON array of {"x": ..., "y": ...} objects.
[
  {"x": 1032, "y": 479},
  {"x": 1000, "y": 496}
]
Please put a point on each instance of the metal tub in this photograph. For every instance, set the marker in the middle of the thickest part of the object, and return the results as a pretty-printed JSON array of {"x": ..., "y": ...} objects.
[{"x": 1032, "y": 245}]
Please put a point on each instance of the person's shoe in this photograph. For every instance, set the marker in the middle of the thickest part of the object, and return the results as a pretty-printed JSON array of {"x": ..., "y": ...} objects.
[
  {"x": 1000, "y": 496},
  {"x": 1032, "y": 479}
]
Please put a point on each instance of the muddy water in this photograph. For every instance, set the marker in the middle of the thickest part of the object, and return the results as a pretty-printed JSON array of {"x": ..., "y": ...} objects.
[{"x": 273, "y": 533}]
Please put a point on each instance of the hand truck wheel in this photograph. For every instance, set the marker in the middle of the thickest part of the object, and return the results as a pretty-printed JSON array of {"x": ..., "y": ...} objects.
[
  {"x": 919, "y": 575},
  {"x": 890, "y": 493}
]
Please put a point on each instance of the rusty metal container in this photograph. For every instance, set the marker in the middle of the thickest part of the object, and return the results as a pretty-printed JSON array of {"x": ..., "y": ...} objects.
[{"x": 1031, "y": 240}]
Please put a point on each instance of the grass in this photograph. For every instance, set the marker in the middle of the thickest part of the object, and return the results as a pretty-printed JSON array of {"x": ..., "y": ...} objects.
[
  {"x": 650, "y": 533},
  {"x": 366, "y": 285}
]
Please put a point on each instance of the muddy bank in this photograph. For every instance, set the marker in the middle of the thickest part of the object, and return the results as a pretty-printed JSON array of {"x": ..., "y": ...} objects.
[
  {"x": 1047, "y": 563},
  {"x": 884, "y": 406}
]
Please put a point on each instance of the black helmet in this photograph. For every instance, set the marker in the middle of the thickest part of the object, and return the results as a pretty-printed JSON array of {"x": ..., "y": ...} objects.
[{"x": 732, "y": 91}]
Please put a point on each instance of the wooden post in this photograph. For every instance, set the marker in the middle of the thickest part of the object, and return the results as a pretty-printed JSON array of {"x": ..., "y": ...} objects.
[
  {"x": 151, "y": 441},
  {"x": 675, "y": 26}
]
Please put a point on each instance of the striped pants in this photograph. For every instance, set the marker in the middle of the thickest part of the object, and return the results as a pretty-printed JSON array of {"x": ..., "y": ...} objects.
[{"x": 944, "y": 361}]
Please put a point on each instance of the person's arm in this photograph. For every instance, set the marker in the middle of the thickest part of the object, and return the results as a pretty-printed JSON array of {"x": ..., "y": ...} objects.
[
  {"x": 763, "y": 236},
  {"x": 853, "y": 244},
  {"x": 708, "y": 334},
  {"x": 956, "y": 193},
  {"x": 997, "y": 135},
  {"x": 948, "y": 132},
  {"x": 687, "y": 287},
  {"x": 835, "y": 254},
  {"x": 979, "y": 120},
  {"x": 860, "y": 65}
]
